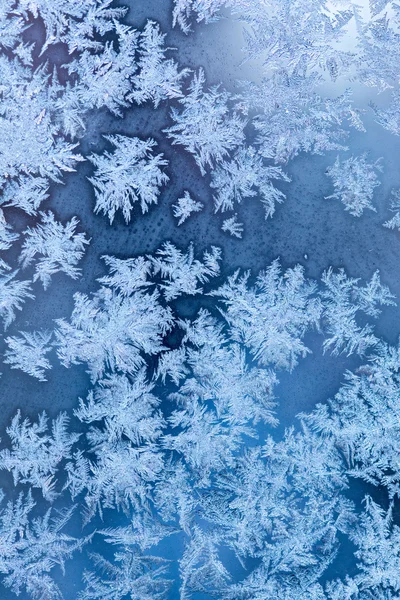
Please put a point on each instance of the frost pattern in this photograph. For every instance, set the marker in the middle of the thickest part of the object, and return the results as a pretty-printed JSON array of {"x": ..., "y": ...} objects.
[
  {"x": 205, "y": 11},
  {"x": 125, "y": 445},
  {"x": 60, "y": 247},
  {"x": 394, "y": 222},
  {"x": 104, "y": 77},
  {"x": 32, "y": 546},
  {"x": 27, "y": 194},
  {"x": 343, "y": 299},
  {"x": 28, "y": 353},
  {"x": 13, "y": 294},
  {"x": 206, "y": 125},
  {"x": 272, "y": 316},
  {"x": 181, "y": 273},
  {"x": 110, "y": 330},
  {"x": 362, "y": 420},
  {"x": 354, "y": 181},
  {"x": 246, "y": 176},
  {"x": 159, "y": 78},
  {"x": 233, "y": 226},
  {"x": 176, "y": 431},
  {"x": 36, "y": 454},
  {"x": 7, "y": 237},
  {"x": 130, "y": 573},
  {"x": 189, "y": 472},
  {"x": 185, "y": 206},
  {"x": 130, "y": 174}
]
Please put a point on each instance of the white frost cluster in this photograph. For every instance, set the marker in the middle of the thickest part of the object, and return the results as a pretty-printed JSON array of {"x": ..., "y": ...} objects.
[
  {"x": 58, "y": 246},
  {"x": 246, "y": 176},
  {"x": 394, "y": 222},
  {"x": 13, "y": 294},
  {"x": 159, "y": 78},
  {"x": 233, "y": 226},
  {"x": 181, "y": 273},
  {"x": 354, "y": 181},
  {"x": 131, "y": 173},
  {"x": 185, "y": 206},
  {"x": 207, "y": 125},
  {"x": 176, "y": 430},
  {"x": 28, "y": 353}
]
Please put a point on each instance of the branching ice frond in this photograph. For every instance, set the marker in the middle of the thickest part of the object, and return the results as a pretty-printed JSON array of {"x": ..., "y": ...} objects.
[
  {"x": 121, "y": 476},
  {"x": 72, "y": 23},
  {"x": 272, "y": 317},
  {"x": 394, "y": 222},
  {"x": 126, "y": 275},
  {"x": 347, "y": 337},
  {"x": 32, "y": 144},
  {"x": 354, "y": 181},
  {"x": 314, "y": 466},
  {"x": 241, "y": 393},
  {"x": 112, "y": 331},
  {"x": 7, "y": 237},
  {"x": 378, "y": 52},
  {"x": 207, "y": 126},
  {"x": 338, "y": 590},
  {"x": 70, "y": 111},
  {"x": 342, "y": 299},
  {"x": 158, "y": 78},
  {"x": 59, "y": 247},
  {"x": 203, "y": 10},
  {"x": 389, "y": 117},
  {"x": 31, "y": 549},
  {"x": 14, "y": 517},
  {"x": 144, "y": 531},
  {"x": 377, "y": 6},
  {"x": 130, "y": 574},
  {"x": 64, "y": 160},
  {"x": 12, "y": 26},
  {"x": 373, "y": 295},
  {"x": 174, "y": 496},
  {"x": 172, "y": 364},
  {"x": 78, "y": 473},
  {"x": 13, "y": 294},
  {"x": 246, "y": 176},
  {"x": 181, "y": 273},
  {"x": 233, "y": 226},
  {"x": 185, "y": 206},
  {"x": 220, "y": 371},
  {"x": 97, "y": 18},
  {"x": 27, "y": 193},
  {"x": 205, "y": 330},
  {"x": 24, "y": 53},
  {"x": 128, "y": 427},
  {"x": 130, "y": 174},
  {"x": 55, "y": 15},
  {"x": 36, "y": 453},
  {"x": 205, "y": 442},
  {"x": 259, "y": 582},
  {"x": 363, "y": 421},
  {"x": 105, "y": 77},
  {"x": 127, "y": 408},
  {"x": 376, "y": 593},
  {"x": 296, "y": 37},
  {"x": 201, "y": 568},
  {"x": 28, "y": 353},
  {"x": 378, "y": 542},
  {"x": 292, "y": 118},
  {"x": 282, "y": 505}
]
